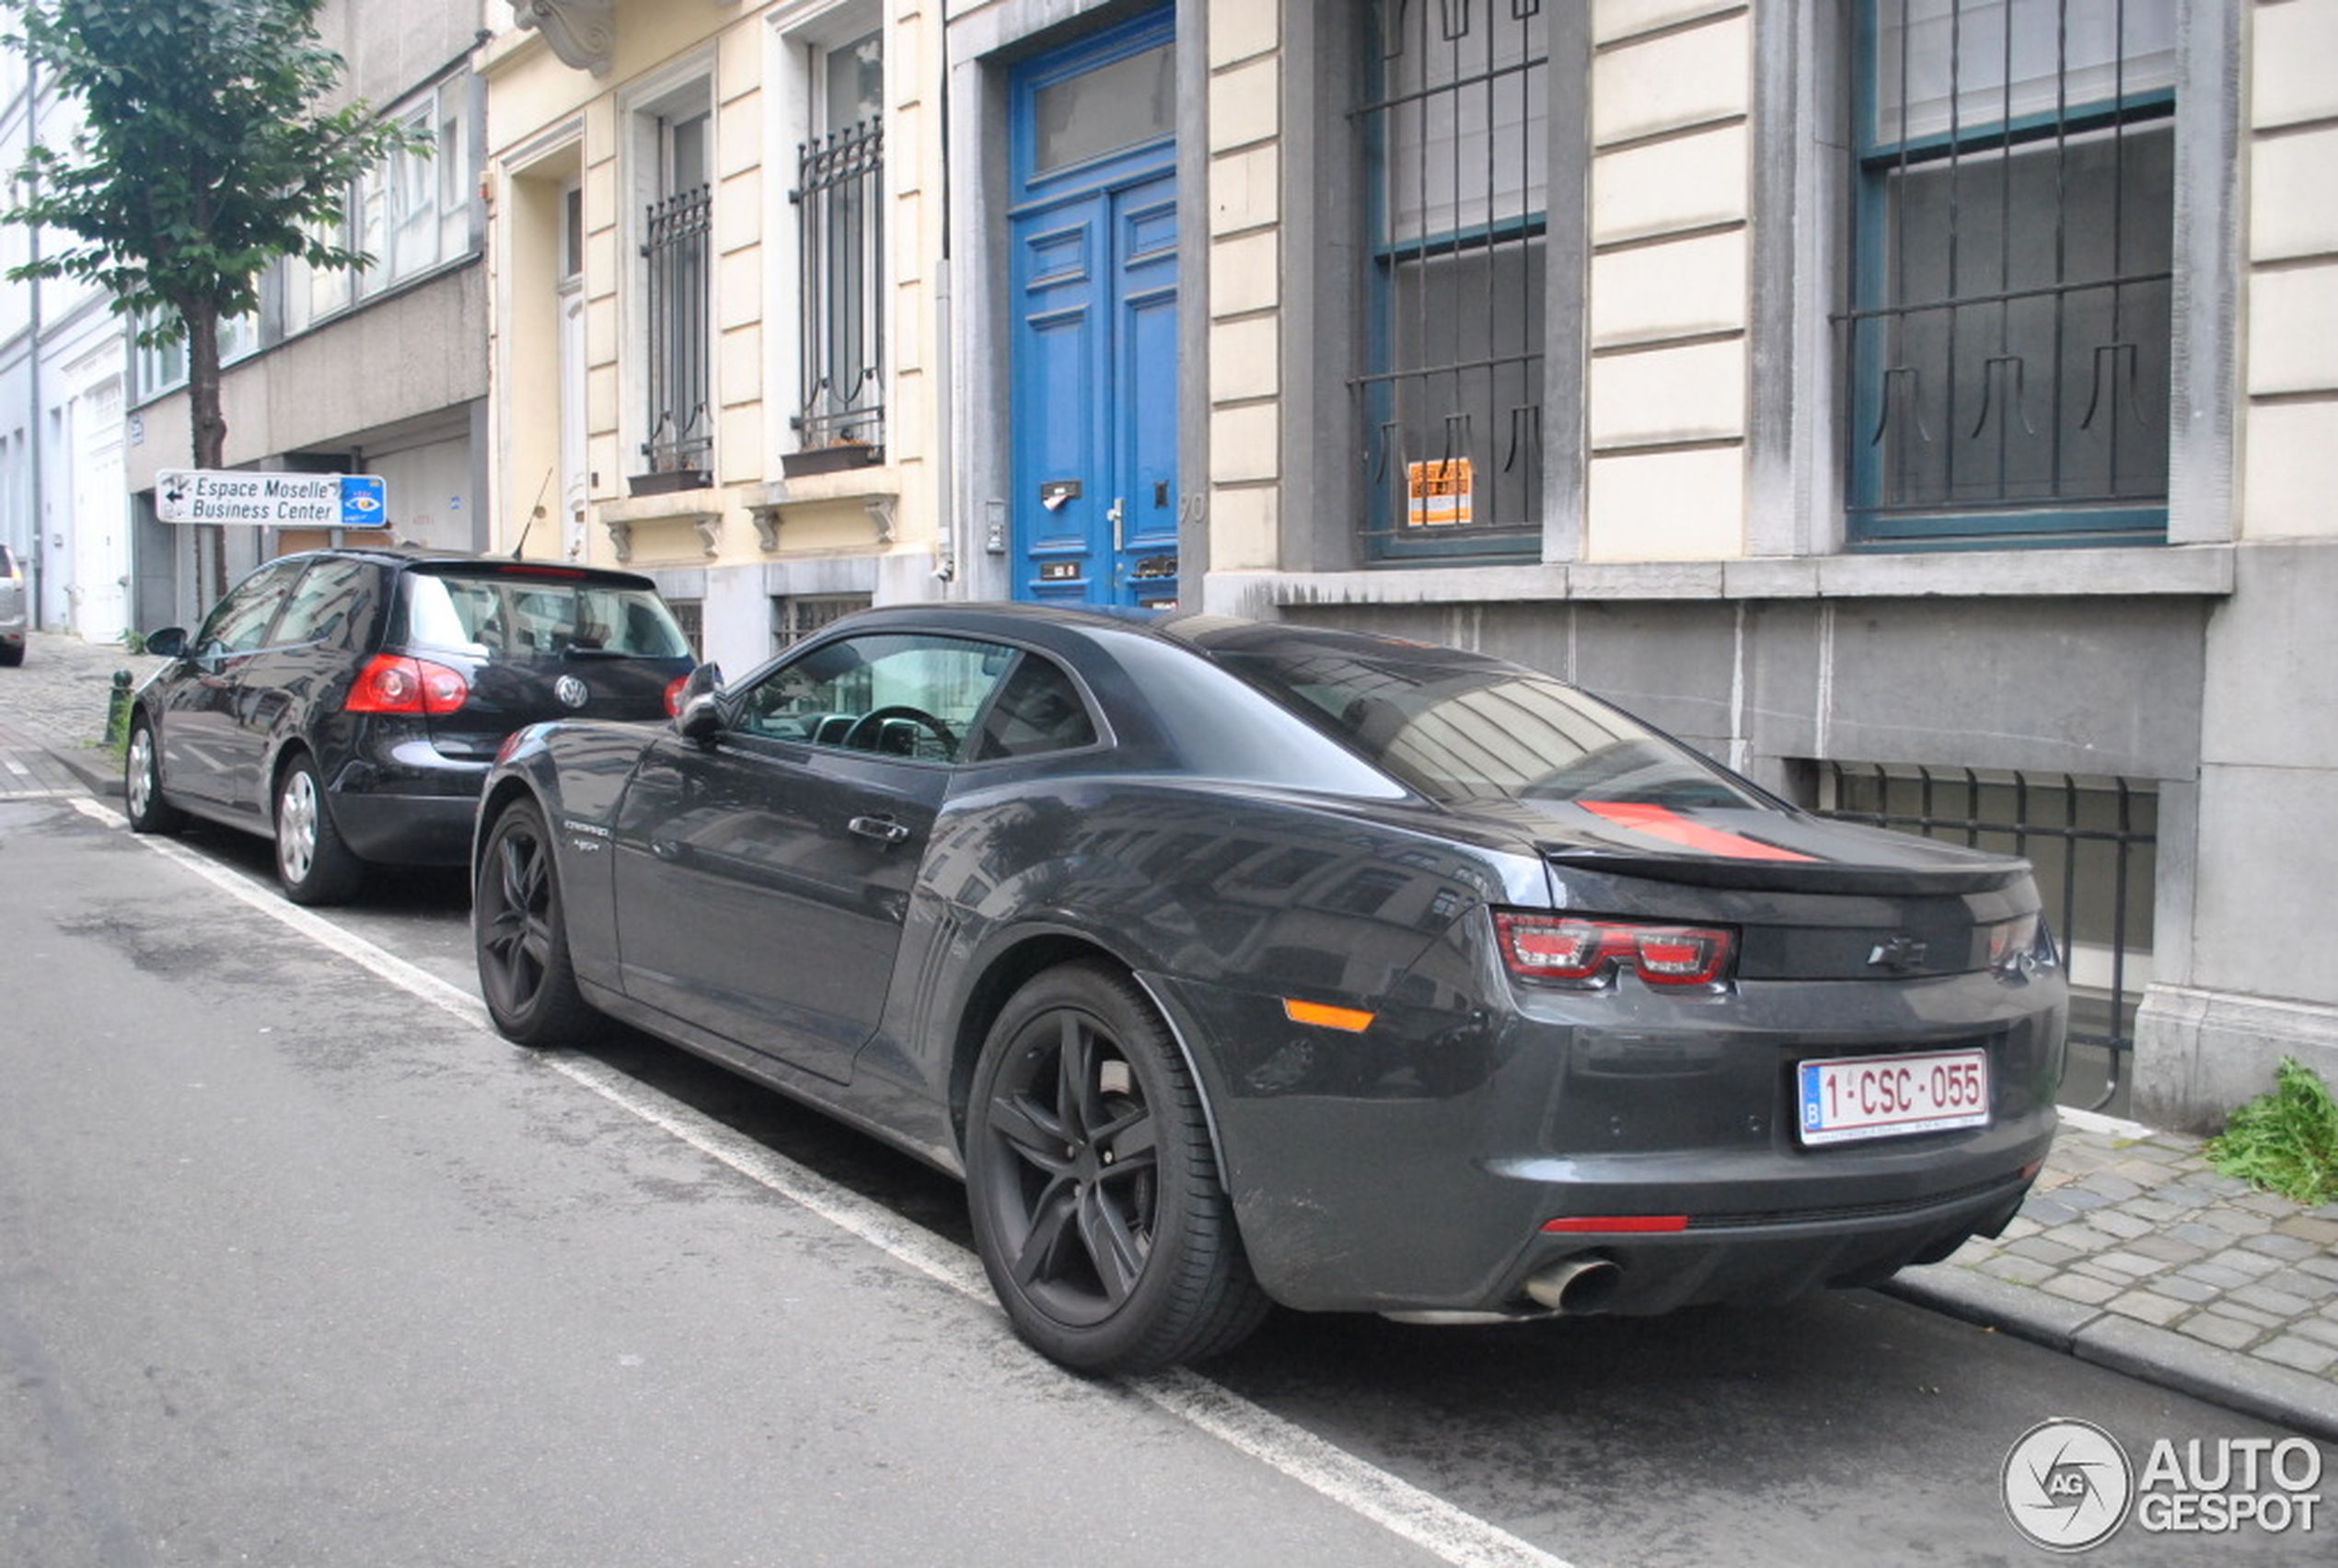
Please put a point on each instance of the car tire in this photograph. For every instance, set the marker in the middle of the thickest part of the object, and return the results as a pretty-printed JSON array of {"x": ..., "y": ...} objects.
[
  {"x": 142, "y": 797},
  {"x": 519, "y": 933},
  {"x": 12, "y": 657},
  {"x": 312, "y": 863},
  {"x": 1092, "y": 1184}
]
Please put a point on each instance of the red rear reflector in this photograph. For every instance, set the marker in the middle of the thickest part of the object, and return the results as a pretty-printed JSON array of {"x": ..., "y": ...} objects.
[
  {"x": 1572, "y": 948},
  {"x": 389, "y": 684},
  {"x": 1617, "y": 1224},
  {"x": 1351, "y": 1020}
]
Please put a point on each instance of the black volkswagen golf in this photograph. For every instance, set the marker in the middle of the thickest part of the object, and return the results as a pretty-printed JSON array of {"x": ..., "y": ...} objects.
[{"x": 349, "y": 702}]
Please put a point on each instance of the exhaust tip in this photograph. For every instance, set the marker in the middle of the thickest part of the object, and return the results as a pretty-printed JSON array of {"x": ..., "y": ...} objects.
[{"x": 1576, "y": 1287}]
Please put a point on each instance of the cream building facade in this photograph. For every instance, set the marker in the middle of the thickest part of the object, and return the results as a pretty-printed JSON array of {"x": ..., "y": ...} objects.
[{"x": 716, "y": 302}]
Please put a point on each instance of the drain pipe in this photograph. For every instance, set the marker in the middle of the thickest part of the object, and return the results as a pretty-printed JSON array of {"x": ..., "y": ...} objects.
[{"x": 37, "y": 436}]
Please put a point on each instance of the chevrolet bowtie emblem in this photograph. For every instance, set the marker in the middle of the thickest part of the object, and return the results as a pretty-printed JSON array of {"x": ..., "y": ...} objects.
[{"x": 1899, "y": 956}]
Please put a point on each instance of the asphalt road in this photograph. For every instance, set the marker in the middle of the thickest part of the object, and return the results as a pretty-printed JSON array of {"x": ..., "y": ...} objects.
[{"x": 301, "y": 1265}]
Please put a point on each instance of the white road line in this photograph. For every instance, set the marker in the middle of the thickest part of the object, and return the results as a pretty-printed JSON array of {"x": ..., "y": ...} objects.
[{"x": 1450, "y": 1533}]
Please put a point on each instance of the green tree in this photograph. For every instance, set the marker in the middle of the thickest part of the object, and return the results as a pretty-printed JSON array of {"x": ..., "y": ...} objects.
[{"x": 204, "y": 154}]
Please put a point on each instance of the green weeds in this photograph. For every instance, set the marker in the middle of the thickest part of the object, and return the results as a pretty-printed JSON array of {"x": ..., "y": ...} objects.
[{"x": 2285, "y": 1142}]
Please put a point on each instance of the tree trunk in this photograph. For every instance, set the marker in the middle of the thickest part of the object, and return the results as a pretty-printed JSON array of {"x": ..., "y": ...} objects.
[{"x": 210, "y": 429}]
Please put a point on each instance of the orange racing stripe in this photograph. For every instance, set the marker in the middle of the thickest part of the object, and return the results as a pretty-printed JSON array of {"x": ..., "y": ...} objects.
[{"x": 1662, "y": 821}]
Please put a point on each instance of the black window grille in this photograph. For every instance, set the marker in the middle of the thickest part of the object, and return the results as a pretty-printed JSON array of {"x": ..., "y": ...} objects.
[
  {"x": 797, "y": 616},
  {"x": 681, "y": 433},
  {"x": 841, "y": 217},
  {"x": 2094, "y": 845},
  {"x": 1454, "y": 125},
  {"x": 690, "y": 616},
  {"x": 2009, "y": 346}
]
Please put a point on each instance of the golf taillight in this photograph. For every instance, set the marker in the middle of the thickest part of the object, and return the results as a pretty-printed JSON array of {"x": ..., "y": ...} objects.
[
  {"x": 673, "y": 696},
  {"x": 392, "y": 684},
  {"x": 1576, "y": 950}
]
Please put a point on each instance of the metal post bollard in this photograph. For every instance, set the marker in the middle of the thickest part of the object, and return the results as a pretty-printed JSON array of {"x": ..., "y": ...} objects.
[{"x": 118, "y": 710}]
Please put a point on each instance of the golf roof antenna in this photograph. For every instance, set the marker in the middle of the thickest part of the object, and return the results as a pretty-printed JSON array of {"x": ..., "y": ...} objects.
[{"x": 534, "y": 512}]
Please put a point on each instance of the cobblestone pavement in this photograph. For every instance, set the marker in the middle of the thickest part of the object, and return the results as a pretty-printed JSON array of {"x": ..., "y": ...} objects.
[{"x": 2131, "y": 1251}]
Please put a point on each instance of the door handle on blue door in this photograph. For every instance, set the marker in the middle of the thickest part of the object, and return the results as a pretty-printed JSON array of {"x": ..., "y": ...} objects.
[{"x": 884, "y": 830}]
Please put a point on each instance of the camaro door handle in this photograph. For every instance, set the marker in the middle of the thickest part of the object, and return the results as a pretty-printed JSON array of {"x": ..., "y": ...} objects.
[{"x": 884, "y": 830}]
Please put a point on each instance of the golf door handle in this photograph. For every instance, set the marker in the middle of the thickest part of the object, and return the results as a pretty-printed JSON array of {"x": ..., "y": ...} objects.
[{"x": 884, "y": 829}]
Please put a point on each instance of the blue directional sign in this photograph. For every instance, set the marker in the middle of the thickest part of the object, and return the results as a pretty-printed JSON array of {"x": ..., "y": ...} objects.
[{"x": 363, "y": 504}]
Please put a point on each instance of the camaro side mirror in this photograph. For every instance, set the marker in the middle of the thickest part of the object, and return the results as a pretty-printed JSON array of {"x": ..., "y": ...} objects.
[{"x": 701, "y": 720}]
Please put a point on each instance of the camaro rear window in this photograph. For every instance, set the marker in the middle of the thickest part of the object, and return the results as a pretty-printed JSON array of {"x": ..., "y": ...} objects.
[
  {"x": 520, "y": 617},
  {"x": 1461, "y": 731}
]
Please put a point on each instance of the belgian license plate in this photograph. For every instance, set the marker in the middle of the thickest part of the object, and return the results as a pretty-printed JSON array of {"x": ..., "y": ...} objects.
[{"x": 1883, "y": 1097}]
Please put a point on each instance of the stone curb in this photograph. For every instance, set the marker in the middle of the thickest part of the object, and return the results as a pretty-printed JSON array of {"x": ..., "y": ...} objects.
[
  {"x": 95, "y": 768},
  {"x": 2154, "y": 1356}
]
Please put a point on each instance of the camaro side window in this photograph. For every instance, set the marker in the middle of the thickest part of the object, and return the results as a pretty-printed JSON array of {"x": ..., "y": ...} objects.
[
  {"x": 892, "y": 693},
  {"x": 1038, "y": 710}
]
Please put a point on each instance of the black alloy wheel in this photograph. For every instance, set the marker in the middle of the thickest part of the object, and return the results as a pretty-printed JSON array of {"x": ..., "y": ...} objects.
[
  {"x": 312, "y": 862},
  {"x": 1094, "y": 1189},
  {"x": 520, "y": 934},
  {"x": 141, "y": 783}
]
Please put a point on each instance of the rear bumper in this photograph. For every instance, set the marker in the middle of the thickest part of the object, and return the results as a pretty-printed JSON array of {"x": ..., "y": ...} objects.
[
  {"x": 1757, "y": 1258},
  {"x": 1415, "y": 1167},
  {"x": 410, "y": 806}
]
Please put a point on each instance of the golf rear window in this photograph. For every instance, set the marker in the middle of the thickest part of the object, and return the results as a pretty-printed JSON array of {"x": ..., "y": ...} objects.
[{"x": 523, "y": 618}]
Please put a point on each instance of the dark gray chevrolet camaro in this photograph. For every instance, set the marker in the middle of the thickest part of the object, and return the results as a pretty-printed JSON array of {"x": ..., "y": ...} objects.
[{"x": 1233, "y": 962}]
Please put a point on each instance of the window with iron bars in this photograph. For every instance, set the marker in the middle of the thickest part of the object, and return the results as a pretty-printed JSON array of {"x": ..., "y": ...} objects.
[
  {"x": 2093, "y": 845},
  {"x": 800, "y": 615},
  {"x": 690, "y": 616},
  {"x": 841, "y": 232},
  {"x": 2007, "y": 348},
  {"x": 676, "y": 252},
  {"x": 1453, "y": 124}
]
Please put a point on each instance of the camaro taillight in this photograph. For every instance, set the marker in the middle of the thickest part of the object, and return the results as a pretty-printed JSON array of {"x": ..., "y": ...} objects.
[
  {"x": 1576, "y": 950},
  {"x": 2021, "y": 946},
  {"x": 392, "y": 684}
]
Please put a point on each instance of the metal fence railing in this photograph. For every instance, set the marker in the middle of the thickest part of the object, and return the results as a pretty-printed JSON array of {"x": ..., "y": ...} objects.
[{"x": 2094, "y": 845}]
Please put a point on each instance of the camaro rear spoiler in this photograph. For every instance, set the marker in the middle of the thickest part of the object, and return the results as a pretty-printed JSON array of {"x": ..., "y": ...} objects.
[{"x": 1790, "y": 876}]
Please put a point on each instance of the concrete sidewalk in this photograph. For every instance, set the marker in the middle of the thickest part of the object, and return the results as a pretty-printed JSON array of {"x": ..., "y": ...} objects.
[{"x": 2131, "y": 1251}]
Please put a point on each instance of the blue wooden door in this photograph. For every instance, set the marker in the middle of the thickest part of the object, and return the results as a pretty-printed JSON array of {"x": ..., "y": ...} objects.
[{"x": 1094, "y": 357}]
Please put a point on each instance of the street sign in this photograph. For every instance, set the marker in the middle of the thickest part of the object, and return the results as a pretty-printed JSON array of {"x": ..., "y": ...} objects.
[
  {"x": 363, "y": 504},
  {"x": 270, "y": 500}
]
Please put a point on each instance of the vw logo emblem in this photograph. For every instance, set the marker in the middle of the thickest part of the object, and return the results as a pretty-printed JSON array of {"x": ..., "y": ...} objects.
[{"x": 572, "y": 692}]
